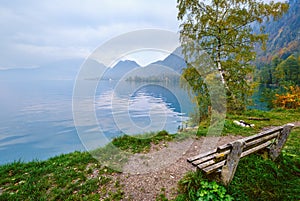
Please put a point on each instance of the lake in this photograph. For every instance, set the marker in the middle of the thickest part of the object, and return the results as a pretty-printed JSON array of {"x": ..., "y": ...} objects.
[{"x": 36, "y": 119}]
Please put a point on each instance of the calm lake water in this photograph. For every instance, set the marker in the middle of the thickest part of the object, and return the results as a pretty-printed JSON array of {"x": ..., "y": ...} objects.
[{"x": 36, "y": 119}]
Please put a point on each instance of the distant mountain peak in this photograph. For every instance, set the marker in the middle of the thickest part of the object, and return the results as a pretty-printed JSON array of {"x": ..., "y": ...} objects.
[
  {"x": 174, "y": 61},
  {"x": 127, "y": 63},
  {"x": 120, "y": 69}
]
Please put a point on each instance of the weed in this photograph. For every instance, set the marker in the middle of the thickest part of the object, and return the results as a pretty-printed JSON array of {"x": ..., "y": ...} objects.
[{"x": 194, "y": 186}]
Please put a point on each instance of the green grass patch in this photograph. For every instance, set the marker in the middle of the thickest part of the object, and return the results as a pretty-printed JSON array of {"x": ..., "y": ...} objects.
[
  {"x": 65, "y": 177},
  {"x": 141, "y": 143},
  {"x": 277, "y": 117}
]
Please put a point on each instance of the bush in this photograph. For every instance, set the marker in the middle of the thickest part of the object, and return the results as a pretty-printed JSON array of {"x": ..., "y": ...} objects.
[{"x": 290, "y": 100}]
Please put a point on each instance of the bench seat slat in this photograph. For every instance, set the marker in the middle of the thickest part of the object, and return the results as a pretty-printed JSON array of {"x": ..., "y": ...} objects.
[
  {"x": 206, "y": 164},
  {"x": 191, "y": 159},
  {"x": 219, "y": 149},
  {"x": 212, "y": 156},
  {"x": 214, "y": 167}
]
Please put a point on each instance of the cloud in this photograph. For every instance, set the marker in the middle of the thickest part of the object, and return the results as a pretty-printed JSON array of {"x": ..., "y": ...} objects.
[{"x": 36, "y": 32}]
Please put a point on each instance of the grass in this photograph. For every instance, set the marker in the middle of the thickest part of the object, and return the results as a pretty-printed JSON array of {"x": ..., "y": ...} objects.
[
  {"x": 79, "y": 176},
  {"x": 141, "y": 143},
  {"x": 277, "y": 118},
  {"x": 66, "y": 177},
  {"x": 262, "y": 179}
]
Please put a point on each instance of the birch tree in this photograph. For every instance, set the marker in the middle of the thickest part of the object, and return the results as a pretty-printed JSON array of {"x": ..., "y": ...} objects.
[{"x": 224, "y": 29}]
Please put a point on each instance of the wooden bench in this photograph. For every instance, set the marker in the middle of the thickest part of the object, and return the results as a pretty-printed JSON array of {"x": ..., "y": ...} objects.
[{"x": 225, "y": 158}]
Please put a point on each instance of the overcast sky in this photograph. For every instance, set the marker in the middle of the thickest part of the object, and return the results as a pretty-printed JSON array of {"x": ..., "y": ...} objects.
[{"x": 36, "y": 32}]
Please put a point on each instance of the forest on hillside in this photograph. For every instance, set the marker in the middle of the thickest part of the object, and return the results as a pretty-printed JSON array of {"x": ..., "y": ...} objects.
[
  {"x": 283, "y": 36},
  {"x": 278, "y": 67}
]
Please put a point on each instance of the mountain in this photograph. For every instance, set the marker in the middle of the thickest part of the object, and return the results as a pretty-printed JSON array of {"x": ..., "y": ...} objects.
[
  {"x": 120, "y": 69},
  {"x": 58, "y": 70},
  {"x": 152, "y": 72},
  {"x": 168, "y": 69},
  {"x": 174, "y": 61},
  {"x": 284, "y": 35},
  {"x": 91, "y": 69}
]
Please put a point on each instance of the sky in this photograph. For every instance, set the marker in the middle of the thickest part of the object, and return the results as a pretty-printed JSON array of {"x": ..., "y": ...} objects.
[{"x": 34, "y": 33}]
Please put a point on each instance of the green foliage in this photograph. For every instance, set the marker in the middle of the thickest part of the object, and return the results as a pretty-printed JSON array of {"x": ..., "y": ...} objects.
[
  {"x": 211, "y": 191},
  {"x": 230, "y": 128},
  {"x": 222, "y": 29},
  {"x": 192, "y": 81},
  {"x": 194, "y": 186},
  {"x": 162, "y": 195},
  {"x": 288, "y": 70},
  {"x": 189, "y": 185},
  {"x": 280, "y": 79},
  {"x": 281, "y": 72}
]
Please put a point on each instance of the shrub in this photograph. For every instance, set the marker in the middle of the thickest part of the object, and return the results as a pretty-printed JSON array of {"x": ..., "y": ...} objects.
[
  {"x": 195, "y": 187},
  {"x": 290, "y": 100},
  {"x": 212, "y": 191}
]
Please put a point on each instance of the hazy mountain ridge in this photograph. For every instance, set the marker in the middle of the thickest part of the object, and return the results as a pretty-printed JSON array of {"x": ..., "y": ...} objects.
[
  {"x": 175, "y": 61},
  {"x": 172, "y": 65},
  {"x": 120, "y": 69},
  {"x": 58, "y": 70},
  {"x": 168, "y": 69}
]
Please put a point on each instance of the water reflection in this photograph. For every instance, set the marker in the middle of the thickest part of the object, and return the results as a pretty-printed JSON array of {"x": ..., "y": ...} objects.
[{"x": 36, "y": 120}]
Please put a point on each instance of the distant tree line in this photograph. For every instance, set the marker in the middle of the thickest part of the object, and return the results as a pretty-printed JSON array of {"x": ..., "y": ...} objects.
[
  {"x": 161, "y": 78},
  {"x": 281, "y": 72},
  {"x": 281, "y": 82}
]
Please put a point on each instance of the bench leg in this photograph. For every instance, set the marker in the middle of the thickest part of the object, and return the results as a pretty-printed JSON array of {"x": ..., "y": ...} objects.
[
  {"x": 275, "y": 149},
  {"x": 233, "y": 159}
]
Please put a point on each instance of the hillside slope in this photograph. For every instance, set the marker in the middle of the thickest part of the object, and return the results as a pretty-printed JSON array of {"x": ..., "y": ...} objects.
[{"x": 284, "y": 35}]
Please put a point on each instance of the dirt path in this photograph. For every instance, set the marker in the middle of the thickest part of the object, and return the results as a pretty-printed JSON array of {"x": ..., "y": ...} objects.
[{"x": 147, "y": 175}]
